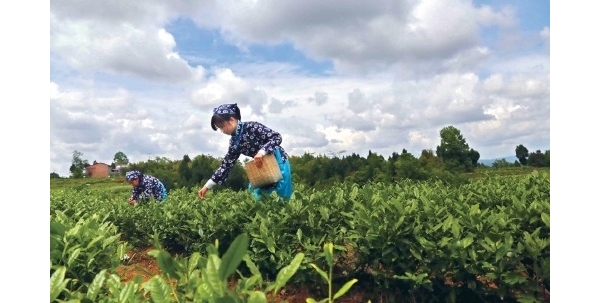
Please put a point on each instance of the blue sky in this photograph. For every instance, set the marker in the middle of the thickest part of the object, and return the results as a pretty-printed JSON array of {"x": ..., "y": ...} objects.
[
  {"x": 194, "y": 43},
  {"x": 204, "y": 46},
  {"x": 377, "y": 76}
]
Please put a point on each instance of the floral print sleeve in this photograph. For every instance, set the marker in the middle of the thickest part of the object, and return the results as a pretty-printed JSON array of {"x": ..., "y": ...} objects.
[
  {"x": 137, "y": 193},
  {"x": 227, "y": 164}
]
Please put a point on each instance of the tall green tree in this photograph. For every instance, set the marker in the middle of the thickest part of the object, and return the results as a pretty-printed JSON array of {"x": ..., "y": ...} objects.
[
  {"x": 202, "y": 168},
  {"x": 409, "y": 167},
  {"x": 376, "y": 167},
  {"x": 474, "y": 156},
  {"x": 78, "y": 165},
  {"x": 237, "y": 179},
  {"x": 454, "y": 150},
  {"x": 185, "y": 172},
  {"x": 120, "y": 158},
  {"x": 522, "y": 153},
  {"x": 428, "y": 159},
  {"x": 539, "y": 159}
]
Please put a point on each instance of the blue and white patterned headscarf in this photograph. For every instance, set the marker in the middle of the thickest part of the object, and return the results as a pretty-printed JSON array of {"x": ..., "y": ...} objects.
[
  {"x": 225, "y": 109},
  {"x": 132, "y": 175}
]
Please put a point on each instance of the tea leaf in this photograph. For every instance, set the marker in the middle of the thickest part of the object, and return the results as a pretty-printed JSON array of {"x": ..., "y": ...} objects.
[
  {"x": 546, "y": 219},
  {"x": 167, "y": 264},
  {"x": 257, "y": 297},
  {"x": 159, "y": 290},
  {"x": 328, "y": 250},
  {"x": 253, "y": 268},
  {"x": 57, "y": 283},
  {"x": 233, "y": 256},
  {"x": 321, "y": 272},
  {"x": 96, "y": 285},
  {"x": 287, "y": 272},
  {"x": 128, "y": 291},
  {"x": 211, "y": 275},
  {"x": 73, "y": 256},
  {"x": 344, "y": 288}
]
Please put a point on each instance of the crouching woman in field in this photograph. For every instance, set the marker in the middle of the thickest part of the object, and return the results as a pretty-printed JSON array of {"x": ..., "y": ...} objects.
[{"x": 145, "y": 187}]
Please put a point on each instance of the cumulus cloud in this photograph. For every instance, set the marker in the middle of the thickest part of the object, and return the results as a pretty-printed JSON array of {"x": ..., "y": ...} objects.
[{"x": 319, "y": 98}]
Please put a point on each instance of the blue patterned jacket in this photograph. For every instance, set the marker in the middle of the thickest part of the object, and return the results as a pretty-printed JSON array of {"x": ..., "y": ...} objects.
[{"x": 149, "y": 186}]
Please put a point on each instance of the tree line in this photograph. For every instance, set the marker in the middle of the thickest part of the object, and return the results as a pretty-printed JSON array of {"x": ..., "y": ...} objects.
[{"x": 448, "y": 162}]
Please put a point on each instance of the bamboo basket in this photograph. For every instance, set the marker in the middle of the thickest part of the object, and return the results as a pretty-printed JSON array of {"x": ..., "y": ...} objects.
[{"x": 269, "y": 173}]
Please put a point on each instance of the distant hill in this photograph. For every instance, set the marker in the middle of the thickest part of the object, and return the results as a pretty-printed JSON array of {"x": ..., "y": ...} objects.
[{"x": 489, "y": 162}]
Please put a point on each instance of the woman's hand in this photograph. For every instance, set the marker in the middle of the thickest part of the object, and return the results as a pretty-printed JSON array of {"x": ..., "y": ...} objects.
[
  {"x": 258, "y": 160},
  {"x": 131, "y": 201},
  {"x": 202, "y": 192}
]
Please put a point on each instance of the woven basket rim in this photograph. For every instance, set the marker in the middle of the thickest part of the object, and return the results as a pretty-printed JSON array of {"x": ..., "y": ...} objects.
[{"x": 269, "y": 173}]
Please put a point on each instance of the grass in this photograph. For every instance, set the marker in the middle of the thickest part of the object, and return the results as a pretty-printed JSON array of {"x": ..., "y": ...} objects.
[
  {"x": 487, "y": 172},
  {"x": 111, "y": 183}
]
